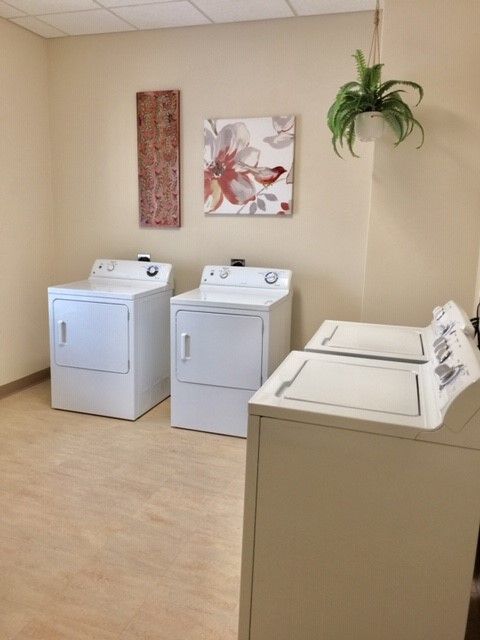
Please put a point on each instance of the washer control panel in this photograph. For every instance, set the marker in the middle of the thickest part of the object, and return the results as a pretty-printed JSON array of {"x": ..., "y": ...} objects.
[
  {"x": 132, "y": 270},
  {"x": 456, "y": 363},
  {"x": 253, "y": 277},
  {"x": 448, "y": 316}
]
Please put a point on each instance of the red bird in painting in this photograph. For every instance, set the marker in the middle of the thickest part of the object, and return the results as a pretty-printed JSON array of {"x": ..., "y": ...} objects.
[{"x": 267, "y": 176}]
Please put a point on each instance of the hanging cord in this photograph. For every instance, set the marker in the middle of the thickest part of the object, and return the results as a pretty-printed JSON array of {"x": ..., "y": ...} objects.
[
  {"x": 374, "y": 55},
  {"x": 476, "y": 322}
]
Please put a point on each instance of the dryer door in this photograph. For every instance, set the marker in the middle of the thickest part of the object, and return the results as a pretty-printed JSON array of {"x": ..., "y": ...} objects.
[
  {"x": 91, "y": 335},
  {"x": 219, "y": 349}
]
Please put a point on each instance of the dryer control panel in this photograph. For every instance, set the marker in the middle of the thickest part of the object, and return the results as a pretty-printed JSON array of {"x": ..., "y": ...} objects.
[
  {"x": 251, "y": 277},
  {"x": 132, "y": 270}
]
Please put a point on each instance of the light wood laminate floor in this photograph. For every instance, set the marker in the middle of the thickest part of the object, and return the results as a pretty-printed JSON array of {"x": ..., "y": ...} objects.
[{"x": 116, "y": 530}]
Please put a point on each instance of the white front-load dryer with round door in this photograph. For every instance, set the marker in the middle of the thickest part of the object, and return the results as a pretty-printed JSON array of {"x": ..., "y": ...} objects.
[
  {"x": 109, "y": 339},
  {"x": 227, "y": 336}
]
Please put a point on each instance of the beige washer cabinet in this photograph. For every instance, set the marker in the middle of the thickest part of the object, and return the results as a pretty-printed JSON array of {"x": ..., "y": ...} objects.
[{"x": 362, "y": 501}]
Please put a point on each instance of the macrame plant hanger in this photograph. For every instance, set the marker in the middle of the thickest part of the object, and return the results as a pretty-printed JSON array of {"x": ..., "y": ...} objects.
[
  {"x": 369, "y": 125},
  {"x": 374, "y": 55}
]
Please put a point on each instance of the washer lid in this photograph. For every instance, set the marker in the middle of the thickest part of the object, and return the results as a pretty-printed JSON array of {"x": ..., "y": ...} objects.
[
  {"x": 365, "y": 394},
  {"x": 352, "y": 385},
  {"x": 109, "y": 288},
  {"x": 229, "y": 298},
  {"x": 371, "y": 340}
]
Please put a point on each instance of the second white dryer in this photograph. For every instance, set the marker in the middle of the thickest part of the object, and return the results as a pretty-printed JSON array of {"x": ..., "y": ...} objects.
[
  {"x": 227, "y": 337},
  {"x": 391, "y": 342}
]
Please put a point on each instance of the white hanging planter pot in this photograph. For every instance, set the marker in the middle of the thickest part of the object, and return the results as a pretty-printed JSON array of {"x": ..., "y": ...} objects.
[{"x": 369, "y": 125}]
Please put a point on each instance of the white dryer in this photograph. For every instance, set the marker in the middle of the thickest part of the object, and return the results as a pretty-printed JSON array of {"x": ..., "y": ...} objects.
[
  {"x": 109, "y": 339},
  {"x": 227, "y": 336},
  {"x": 362, "y": 498},
  {"x": 393, "y": 342}
]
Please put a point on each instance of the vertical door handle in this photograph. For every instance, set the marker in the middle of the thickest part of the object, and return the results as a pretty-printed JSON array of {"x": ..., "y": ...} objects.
[
  {"x": 62, "y": 332},
  {"x": 185, "y": 346}
]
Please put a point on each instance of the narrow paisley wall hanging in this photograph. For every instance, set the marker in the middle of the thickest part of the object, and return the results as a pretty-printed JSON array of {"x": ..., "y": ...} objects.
[
  {"x": 158, "y": 136},
  {"x": 248, "y": 166}
]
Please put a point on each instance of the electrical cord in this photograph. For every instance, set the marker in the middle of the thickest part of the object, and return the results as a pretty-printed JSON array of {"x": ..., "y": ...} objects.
[{"x": 476, "y": 325}]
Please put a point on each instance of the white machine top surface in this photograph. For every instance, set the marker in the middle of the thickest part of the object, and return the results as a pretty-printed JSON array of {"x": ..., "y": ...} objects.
[
  {"x": 379, "y": 388},
  {"x": 229, "y": 297},
  {"x": 252, "y": 288},
  {"x": 390, "y": 397},
  {"x": 373, "y": 339},
  {"x": 393, "y": 342},
  {"x": 125, "y": 279},
  {"x": 343, "y": 391}
]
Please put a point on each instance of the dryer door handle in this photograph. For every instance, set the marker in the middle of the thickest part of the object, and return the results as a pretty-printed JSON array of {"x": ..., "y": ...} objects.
[
  {"x": 184, "y": 346},
  {"x": 62, "y": 332}
]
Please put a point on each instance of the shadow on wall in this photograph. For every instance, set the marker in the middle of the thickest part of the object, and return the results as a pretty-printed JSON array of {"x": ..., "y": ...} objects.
[{"x": 325, "y": 290}]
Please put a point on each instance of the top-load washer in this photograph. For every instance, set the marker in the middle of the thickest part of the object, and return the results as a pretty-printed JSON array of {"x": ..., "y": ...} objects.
[
  {"x": 393, "y": 342},
  {"x": 227, "y": 337},
  {"x": 109, "y": 339},
  {"x": 362, "y": 498}
]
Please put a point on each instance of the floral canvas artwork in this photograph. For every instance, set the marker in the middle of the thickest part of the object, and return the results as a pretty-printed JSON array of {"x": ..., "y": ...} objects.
[
  {"x": 248, "y": 166},
  {"x": 158, "y": 116}
]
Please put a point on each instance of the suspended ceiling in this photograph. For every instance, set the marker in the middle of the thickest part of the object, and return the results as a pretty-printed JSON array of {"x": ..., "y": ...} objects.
[{"x": 60, "y": 18}]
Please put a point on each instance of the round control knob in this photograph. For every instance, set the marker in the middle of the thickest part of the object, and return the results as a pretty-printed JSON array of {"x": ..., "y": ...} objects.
[
  {"x": 152, "y": 271},
  {"x": 224, "y": 273},
  {"x": 110, "y": 266},
  {"x": 271, "y": 277},
  {"x": 446, "y": 374}
]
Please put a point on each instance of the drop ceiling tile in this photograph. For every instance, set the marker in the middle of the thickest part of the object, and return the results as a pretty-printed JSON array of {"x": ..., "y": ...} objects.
[
  {"x": 234, "y": 11},
  {"x": 38, "y": 26},
  {"x": 124, "y": 3},
  {"x": 84, "y": 22},
  {"x": 316, "y": 7},
  {"x": 40, "y": 7},
  {"x": 6, "y": 11},
  {"x": 159, "y": 15}
]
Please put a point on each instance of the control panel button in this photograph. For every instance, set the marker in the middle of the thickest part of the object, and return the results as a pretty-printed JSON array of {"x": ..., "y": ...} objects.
[
  {"x": 271, "y": 277},
  {"x": 438, "y": 313},
  {"x": 152, "y": 270},
  {"x": 224, "y": 273},
  {"x": 110, "y": 266},
  {"x": 444, "y": 355},
  {"x": 439, "y": 343}
]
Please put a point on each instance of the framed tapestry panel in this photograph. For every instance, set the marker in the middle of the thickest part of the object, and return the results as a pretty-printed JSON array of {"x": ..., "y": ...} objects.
[{"x": 158, "y": 138}]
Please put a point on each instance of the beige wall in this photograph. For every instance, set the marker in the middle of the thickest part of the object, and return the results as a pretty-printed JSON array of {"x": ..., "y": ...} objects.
[
  {"x": 425, "y": 217},
  {"x": 423, "y": 228},
  {"x": 262, "y": 68},
  {"x": 25, "y": 203}
]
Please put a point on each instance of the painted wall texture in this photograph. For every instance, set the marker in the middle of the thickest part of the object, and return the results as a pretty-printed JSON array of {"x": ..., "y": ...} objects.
[
  {"x": 382, "y": 238},
  {"x": 26, "y": 212}
]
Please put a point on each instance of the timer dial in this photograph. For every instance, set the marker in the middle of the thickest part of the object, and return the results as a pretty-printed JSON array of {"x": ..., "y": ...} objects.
[
  {"x": 271, "y": 277},
  {"x": 152, "y": 271}
]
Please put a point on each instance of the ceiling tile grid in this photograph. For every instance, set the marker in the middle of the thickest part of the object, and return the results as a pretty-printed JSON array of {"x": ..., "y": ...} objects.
[{"x": 58, "y": 18}]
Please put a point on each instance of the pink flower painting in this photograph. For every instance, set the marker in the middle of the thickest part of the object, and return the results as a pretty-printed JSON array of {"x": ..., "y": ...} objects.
[{"x": 248, "y": 166}]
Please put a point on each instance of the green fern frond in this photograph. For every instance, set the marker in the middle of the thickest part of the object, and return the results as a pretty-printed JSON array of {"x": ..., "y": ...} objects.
[{"x": 361, "y": 63}]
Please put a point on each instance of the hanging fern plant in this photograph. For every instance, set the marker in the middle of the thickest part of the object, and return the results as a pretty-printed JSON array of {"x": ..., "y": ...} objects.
[{"x": 368, "y": 94}]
